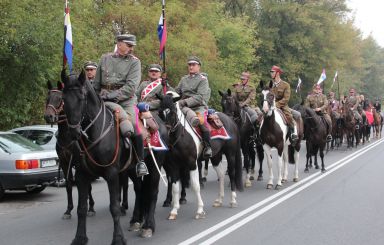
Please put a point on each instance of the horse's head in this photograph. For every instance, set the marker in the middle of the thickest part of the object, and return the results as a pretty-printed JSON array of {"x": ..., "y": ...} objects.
[
  {"x": 229, "y": 103},
  {"x": 75, "y": 101},
  {"x": 168, "y": 111},
  {"x": 268, "y": 98},
  {"x": 54, "y": 102}
]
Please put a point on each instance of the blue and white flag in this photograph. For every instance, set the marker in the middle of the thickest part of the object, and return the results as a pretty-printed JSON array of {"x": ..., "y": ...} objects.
[
  {"x": 322, "y": 77},
  {"x": 68, "y": 47}
]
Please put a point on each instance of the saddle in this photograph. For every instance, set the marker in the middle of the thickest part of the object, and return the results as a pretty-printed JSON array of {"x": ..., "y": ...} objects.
[
  {"x": 150, "y": 131},
  {"x": 215, "y": 126}
]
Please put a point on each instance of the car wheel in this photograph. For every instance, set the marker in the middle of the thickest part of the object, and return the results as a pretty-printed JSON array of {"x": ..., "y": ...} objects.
[
  {"x": 2, "y": 191},
  {"x": 35, "y": 190}
]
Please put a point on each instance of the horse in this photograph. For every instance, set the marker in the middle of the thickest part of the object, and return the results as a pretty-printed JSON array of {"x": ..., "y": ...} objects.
[
  {"x": 183, "y": 157},
  {"x": 54, "y": 113},
  {"x": 315, "y": 133},
  {"x": 377, "y": 123},
  {"x": 349, "y": 125},
  {"x": 274, "y": 134},
  {"x": 250, "y": 144},
  {"x": 96, "y": 131},
  {"x": 337, "y": 128}
]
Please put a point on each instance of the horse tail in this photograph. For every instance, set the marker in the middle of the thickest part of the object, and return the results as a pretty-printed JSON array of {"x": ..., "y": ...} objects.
[
  {"x": 238, "y": 169},
  {"x": 291, "y": 154}
]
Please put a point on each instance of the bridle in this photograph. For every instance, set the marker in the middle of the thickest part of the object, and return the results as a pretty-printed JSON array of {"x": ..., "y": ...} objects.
[{"x": 58, "y": 111}]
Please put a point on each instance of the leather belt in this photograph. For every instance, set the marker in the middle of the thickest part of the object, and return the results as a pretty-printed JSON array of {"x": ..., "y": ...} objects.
[{"x": 110, "y": 86}]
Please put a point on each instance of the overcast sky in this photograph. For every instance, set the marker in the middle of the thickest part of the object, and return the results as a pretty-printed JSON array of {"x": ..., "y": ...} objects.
[{"x": 369, "y": 17}]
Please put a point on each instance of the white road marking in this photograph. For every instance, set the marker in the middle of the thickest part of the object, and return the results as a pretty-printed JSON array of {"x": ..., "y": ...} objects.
[{"x": 300, "y": 186}]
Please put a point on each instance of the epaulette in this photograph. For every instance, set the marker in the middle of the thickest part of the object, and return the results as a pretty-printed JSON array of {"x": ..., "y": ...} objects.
[
  {"x": 235, "y": 84},
  {"x": 133, "y": 57},
  {"x": 203, "y": 76}
]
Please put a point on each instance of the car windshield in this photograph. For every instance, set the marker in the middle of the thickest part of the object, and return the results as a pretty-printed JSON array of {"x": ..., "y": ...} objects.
[
  {"x": 40, "y": 137},
  {"x": 13, "y": 143}
]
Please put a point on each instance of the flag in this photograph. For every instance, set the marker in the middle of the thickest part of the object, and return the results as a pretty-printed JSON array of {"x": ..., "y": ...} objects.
[
  {"x": 334, "y": 79},
  {"x": 67, "y": 56},
  {"x": 298, "y": 85},
  {"x": 322, "y": 77},
  {"x": 162, "y": 34}
]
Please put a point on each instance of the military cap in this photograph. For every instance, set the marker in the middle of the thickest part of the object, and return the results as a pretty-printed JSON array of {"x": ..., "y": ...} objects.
[
  {"x": 127, "y": 38},
  {"x": 316, "y": 86},
  {"x": 352, "y": 90},
  {"x": 277, "y": 69},
  {"x": 155, "y": 67},
  {"x": 245, "y": 76},
  {"x": 194, "y": 60},
  {"x": 90, "y": 65}
]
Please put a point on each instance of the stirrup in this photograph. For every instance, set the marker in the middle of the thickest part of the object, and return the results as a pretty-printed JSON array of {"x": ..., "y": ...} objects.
[
  {"x": 294, "y": 139},
  {"x": 207, "y": 152},
  {"x": 141, "y": 169},
  {"x": 329, "y": 138}
]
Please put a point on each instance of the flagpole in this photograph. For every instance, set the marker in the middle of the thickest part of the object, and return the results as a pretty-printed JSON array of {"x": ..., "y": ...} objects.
[
  {"x": 338, "y": 87},
  {"x": 163, "y": 14}
]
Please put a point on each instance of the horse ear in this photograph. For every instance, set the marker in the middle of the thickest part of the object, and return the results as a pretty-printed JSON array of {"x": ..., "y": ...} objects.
[
  {"x": 60, "y": 85},
  {"x": 64, "y": 77},
  {"x": 221, "y": 93},
  {"x": 49, "y": 85},
  {"x": 229, "y": 92},
  {"x": 261, "y": 84},
  {"x": 270, "y": 84},
  {"x": 82, "y": 77}
]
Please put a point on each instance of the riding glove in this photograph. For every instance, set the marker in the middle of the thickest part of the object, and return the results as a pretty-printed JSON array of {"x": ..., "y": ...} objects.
[{"x": 111, "y": 96}]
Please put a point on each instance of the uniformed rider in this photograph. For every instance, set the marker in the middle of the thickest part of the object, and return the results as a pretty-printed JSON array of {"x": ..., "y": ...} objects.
[
  {"x": 90, "y": 70},
  {"x": 154, "y": 85},
  {"x": 282, "y": 92},
  {"x": 319, "y": 103},
  {"x": 195, "y": 94},
  {"x": 117, "y": 78},
  {"x": 352, "y": 102},
  {"x": 377, "y": 105},
  {"x": 246, "y": 95}
]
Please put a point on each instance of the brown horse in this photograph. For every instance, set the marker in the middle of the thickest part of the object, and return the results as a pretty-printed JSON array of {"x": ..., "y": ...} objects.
[
  {"x": 377, "y": 123},
  {"x": 349, "y": 125}
]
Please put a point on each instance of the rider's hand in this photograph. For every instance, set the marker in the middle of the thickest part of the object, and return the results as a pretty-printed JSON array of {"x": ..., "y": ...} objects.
[{"x": 111, "y": 96}]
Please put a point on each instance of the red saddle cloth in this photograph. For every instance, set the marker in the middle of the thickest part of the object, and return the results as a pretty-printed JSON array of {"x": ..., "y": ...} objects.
[
  {"x": 156, "y": 142},
  {"x": 369, "y": 117},
  {"x": 220, "y": 133}
]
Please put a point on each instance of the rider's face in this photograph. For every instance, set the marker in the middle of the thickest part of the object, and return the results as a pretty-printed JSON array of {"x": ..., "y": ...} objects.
[
  {"x": 124, "y": 48},
  {"x": 193, "y": 68}
]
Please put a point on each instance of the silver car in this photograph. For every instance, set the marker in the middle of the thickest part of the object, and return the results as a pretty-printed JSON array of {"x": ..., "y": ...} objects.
[
  {"x": 43, "y": 135},
  {"x": 25, "y": 165}
]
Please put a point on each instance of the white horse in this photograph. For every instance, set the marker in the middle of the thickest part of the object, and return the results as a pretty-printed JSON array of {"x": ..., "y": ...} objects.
[{"x": 274, "y": 134}]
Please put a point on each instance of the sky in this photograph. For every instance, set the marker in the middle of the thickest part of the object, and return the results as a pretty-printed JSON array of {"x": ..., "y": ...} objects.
[{"x": 369, "y": 18}]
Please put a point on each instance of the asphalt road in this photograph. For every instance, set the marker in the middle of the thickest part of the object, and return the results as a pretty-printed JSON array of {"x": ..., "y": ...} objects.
[{"x": 341, "y": 206}]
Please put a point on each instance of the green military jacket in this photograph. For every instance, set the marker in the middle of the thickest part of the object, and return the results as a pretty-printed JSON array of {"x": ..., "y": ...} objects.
[
  {"x": 353, "y": 101},
  {"x": 194, "y": 88},
  {"x": 282, "y": 92},
  {"x": 119, "y": 72},
  {"x": 148, "y": 90},
  {"x": 317, "y": 101},
  {"x": 245, "y": 94}
]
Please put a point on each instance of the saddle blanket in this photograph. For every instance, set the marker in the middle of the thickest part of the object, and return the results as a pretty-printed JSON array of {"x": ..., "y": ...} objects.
[
  {"x": 220, "y": 133},
  {"x": 155, "y": 141},
  {"x": 369, "y": 117}
]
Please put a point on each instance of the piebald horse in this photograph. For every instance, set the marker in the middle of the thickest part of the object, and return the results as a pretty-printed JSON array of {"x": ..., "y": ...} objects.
[{"x": 274, "y": 134}]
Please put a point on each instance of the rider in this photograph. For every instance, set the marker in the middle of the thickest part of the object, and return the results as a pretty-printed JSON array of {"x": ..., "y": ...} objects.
[
  {"x": 195, "y": 93},
  {"x": 90, "y": 69},
  {"x": 319, "y": 103},
  {"x": 377, "y": 105},
  {"x": 154, "y": 85},
  {"x": 282, "y": 92},
  {"x": 117, "y": 78},
  {"x": 246, "y": 94},
  {"x": 353, "y": 102}
]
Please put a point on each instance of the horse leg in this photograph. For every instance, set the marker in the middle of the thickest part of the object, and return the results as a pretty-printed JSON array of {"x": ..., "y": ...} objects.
[
  {"x": 200, "y": 167},
  {"x": 168, "y": 199},
  {"x": 82, "y": 183},
  {"x": 183, "y": 199},
  {"x": 296, "y": 173},
  {"x": 280, "y": 171},
  {"x": 68, "y": 188},
  {"x": 267, "y": 154},
  {"x": 308, "y": 156},
  {"x": 315, "y": 156},
  {"x": 245, "y": 151},
  {"x": 321, "y": 153},
  {"x": 91, "y": 209},
  {"x": 205, "y": 173},
  {"x": 231, "y": 160},
  {"x": 123, "y": 181},
  {"x": 220, "y": 175},
  {"x": 175, "y": 200},
  {"x": 137, "y": 215},
  {"x": 285, "y": 165},
  {"x": 114, "y": 208},
  {"x": 260, "y": 157},
  {"x": 194, "y": 177}
]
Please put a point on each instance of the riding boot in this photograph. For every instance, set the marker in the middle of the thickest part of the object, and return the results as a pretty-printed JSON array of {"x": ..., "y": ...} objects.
[
  {"x": 141, "y": 167},
  {"x": 207, "y": 151},
  {"x": 328, "y": 122},
  {"x": 293, "y": 135},
  {"x": 126, "y": 130}
]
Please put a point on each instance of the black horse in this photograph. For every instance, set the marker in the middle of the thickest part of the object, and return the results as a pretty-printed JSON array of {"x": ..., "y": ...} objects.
[
  {"x": 54, "y": 113},
  {"x": 250, "y": 144},
  {"x": 315, "y": 133},
  {"x": 102, "y": 149}
]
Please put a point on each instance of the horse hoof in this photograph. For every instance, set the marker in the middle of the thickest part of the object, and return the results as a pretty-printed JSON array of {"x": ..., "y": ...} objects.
[
  {"x": 251, "y": 178},
  {"x": 323, "y": 170},
  {"x": 217, "y": 204},
  {"x": 66, "y": 216},
  {"x": 134, "y": 226},
  {"x": 284, "y": 180},
  {"x": 248, "y": 183},
  {"x": 146, "y": 233},
  {"x": 260, "y": 178},
  {"x": 317, "y": 167},
  {"x": 204, "y": 179},
  {"x": 306, "y": 170},
  {"x": 166, "y": 204},
  {"x": 233, "y": 204},
  {"x": 120, "y": 240},
  {"x": 295, "y": 179},
  {"x": 183, "y": 201},
  {"x": 122, "y": 211},
  {"x": 278, "y": 187},
  {"x": 200, "y": 215},
  {"x": 91, "y": 213},
  {"x": 172, "y": 216},
  {"x": 269, "y": 186},
  {"x": 80, "y": 241},
  {"x": 252, "y": 171}
]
